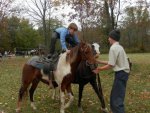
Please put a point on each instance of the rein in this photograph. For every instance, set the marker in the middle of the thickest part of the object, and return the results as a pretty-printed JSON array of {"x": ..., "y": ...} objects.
[{"x": 99, "y": 85}]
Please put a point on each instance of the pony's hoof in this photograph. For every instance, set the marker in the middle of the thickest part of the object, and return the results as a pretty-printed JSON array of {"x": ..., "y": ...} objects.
[
  {"x": 33, "y": 106},
  {"x": 56, "y": 98},
  {"x": 18, "y": 110},
  {"x": 53, "y": 98},
  {"x": 104, "y": 110},
  {"x": 80, "y": 109},
  {"x": 62, "y": 111},
  {"x": 66, "y": 106}
]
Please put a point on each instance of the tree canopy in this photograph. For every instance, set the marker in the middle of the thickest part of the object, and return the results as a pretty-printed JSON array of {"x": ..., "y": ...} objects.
[{"x": 97, "y": 18}]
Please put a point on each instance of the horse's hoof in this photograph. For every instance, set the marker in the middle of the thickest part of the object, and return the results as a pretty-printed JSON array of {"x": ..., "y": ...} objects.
[
  {"x": 104, "y": 110},
  {"x": 62, "y": 111},
  {"x": 33, "y": 106},
  {"x": 18, "y": 110},
  {"x": 53, "y": 98},
  {"x": 80, "y": 109},
  {"x": 66, "y": 106}
]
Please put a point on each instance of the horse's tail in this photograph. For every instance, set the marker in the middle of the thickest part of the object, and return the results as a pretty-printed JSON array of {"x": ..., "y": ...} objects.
[{"x": 23, "y": 91}]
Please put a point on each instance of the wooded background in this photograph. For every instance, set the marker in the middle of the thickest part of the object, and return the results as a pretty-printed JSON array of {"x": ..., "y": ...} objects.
[{"x": 96, "y": 17}]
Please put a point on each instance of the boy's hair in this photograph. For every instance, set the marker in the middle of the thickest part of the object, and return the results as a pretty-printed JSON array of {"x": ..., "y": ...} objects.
[{"x": 73, "y": 26}]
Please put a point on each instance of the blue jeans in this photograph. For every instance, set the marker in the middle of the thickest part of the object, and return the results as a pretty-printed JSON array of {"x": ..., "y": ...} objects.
[{"x": 118, "y": 92}]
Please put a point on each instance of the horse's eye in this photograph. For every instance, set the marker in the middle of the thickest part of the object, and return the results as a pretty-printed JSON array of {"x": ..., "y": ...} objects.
[{"x": 86, "y": 52}]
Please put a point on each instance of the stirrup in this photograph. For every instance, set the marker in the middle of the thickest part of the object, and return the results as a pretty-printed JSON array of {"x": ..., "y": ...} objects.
[
  {"x": 51, "y": 85},
  {"x": 49, "y": 56}
]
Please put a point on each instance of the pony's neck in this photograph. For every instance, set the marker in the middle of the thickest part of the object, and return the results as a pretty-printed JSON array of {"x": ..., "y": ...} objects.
[{"x": 74, "y": 56}]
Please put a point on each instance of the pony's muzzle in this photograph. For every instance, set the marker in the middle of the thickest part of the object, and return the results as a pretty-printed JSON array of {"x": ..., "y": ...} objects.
[{"x": 97, "y": 55}]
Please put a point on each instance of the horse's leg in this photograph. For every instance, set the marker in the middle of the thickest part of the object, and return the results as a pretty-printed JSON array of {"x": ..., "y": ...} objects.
[
  {"x": 81, "y": 86},
  {"x": 62, "y": 98},
  {"x": 54, "y": 93},
  {"x": 71, "y": 97},
  {"x": 66, "y": 84},
  {"x": 28, "y": 74},
  {"x": 99, "y": 94},
  {"x": 53, "y": 89},
  {"x": 22, "y": 90},
  {"x": 31, "y": 91}
]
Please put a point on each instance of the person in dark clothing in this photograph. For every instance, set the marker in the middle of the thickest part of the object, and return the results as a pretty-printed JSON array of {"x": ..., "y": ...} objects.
[{"x": 64, "y": 35}]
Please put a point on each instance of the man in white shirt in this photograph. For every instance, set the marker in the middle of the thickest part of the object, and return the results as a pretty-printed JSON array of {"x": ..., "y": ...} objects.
[{"x": 119, "y": 63}]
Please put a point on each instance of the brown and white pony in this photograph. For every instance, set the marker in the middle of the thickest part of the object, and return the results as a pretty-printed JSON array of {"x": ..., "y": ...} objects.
[{"x": 63, "y": 75}]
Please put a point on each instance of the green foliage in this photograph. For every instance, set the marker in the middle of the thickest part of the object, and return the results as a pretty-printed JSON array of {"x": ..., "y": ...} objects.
[
  {"x": 19, "y": 33},
  {"x": 97, "y": 19},
  {"x": 24, "y": 34},
  {"x": 135, "y": 29}
]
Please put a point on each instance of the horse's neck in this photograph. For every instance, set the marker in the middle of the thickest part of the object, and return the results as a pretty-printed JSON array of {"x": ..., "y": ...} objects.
[
  {"x": 74, "y": 55},
  {"x": 74, "y": 58}
]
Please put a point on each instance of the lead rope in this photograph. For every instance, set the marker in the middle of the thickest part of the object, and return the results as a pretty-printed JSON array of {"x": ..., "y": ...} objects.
[{"x": 101, "y": 93}]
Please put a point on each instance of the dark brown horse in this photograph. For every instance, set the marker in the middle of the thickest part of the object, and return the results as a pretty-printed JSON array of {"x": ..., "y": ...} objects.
[
  {"x": 84, "y": 75},
  {"x": 63, "y": 75}
]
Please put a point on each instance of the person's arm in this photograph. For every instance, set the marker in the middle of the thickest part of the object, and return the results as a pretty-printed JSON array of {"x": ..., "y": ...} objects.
[
  {"x": 76, "y": 39},
  {"x": 102, "y": 62},
  {"x": 62, "y": 40},
  {"x": 106, "y": 67}
]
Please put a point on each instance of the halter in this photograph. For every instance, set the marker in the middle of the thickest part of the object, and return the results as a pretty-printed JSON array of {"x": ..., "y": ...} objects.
[
  {"x": 84, "y": 54},
  {"x": 92, "y": 66}
]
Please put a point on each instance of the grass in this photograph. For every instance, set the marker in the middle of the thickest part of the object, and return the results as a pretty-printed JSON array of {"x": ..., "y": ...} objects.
[{"x": 137, "y": 94}]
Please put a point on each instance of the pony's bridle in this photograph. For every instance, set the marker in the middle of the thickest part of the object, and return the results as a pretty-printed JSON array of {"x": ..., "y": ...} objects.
[
  {"x": 92, "y": 66},
  {"x": 84, "y": 52}
]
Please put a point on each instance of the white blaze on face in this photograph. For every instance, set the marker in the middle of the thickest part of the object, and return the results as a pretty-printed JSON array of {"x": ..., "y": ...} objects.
[{"x": 96, "y": 47}]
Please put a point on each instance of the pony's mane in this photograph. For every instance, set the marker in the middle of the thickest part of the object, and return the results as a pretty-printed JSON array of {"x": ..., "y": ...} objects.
[{"x": 71, "y": 57}]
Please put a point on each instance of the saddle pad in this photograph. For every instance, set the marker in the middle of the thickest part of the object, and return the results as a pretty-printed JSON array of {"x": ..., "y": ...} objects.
[
  {"x": 43, "y": 63},
  {"x": 36, "y": 62}
]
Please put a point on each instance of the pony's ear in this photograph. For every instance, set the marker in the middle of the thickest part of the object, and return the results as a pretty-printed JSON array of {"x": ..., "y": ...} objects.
[
  {"x": 81, "y": 41},
  {"x": 84, "y": 41},
  {"x": 82, "y": 45}
]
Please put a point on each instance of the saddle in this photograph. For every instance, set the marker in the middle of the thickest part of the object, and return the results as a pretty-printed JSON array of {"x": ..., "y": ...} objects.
[{"x": 50, "y": 64}]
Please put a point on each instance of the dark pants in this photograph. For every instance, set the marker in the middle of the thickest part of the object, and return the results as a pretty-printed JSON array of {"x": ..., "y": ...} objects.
[
  {"x": 118, "y": 92},
  {"x": 54, "y": 38}
]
